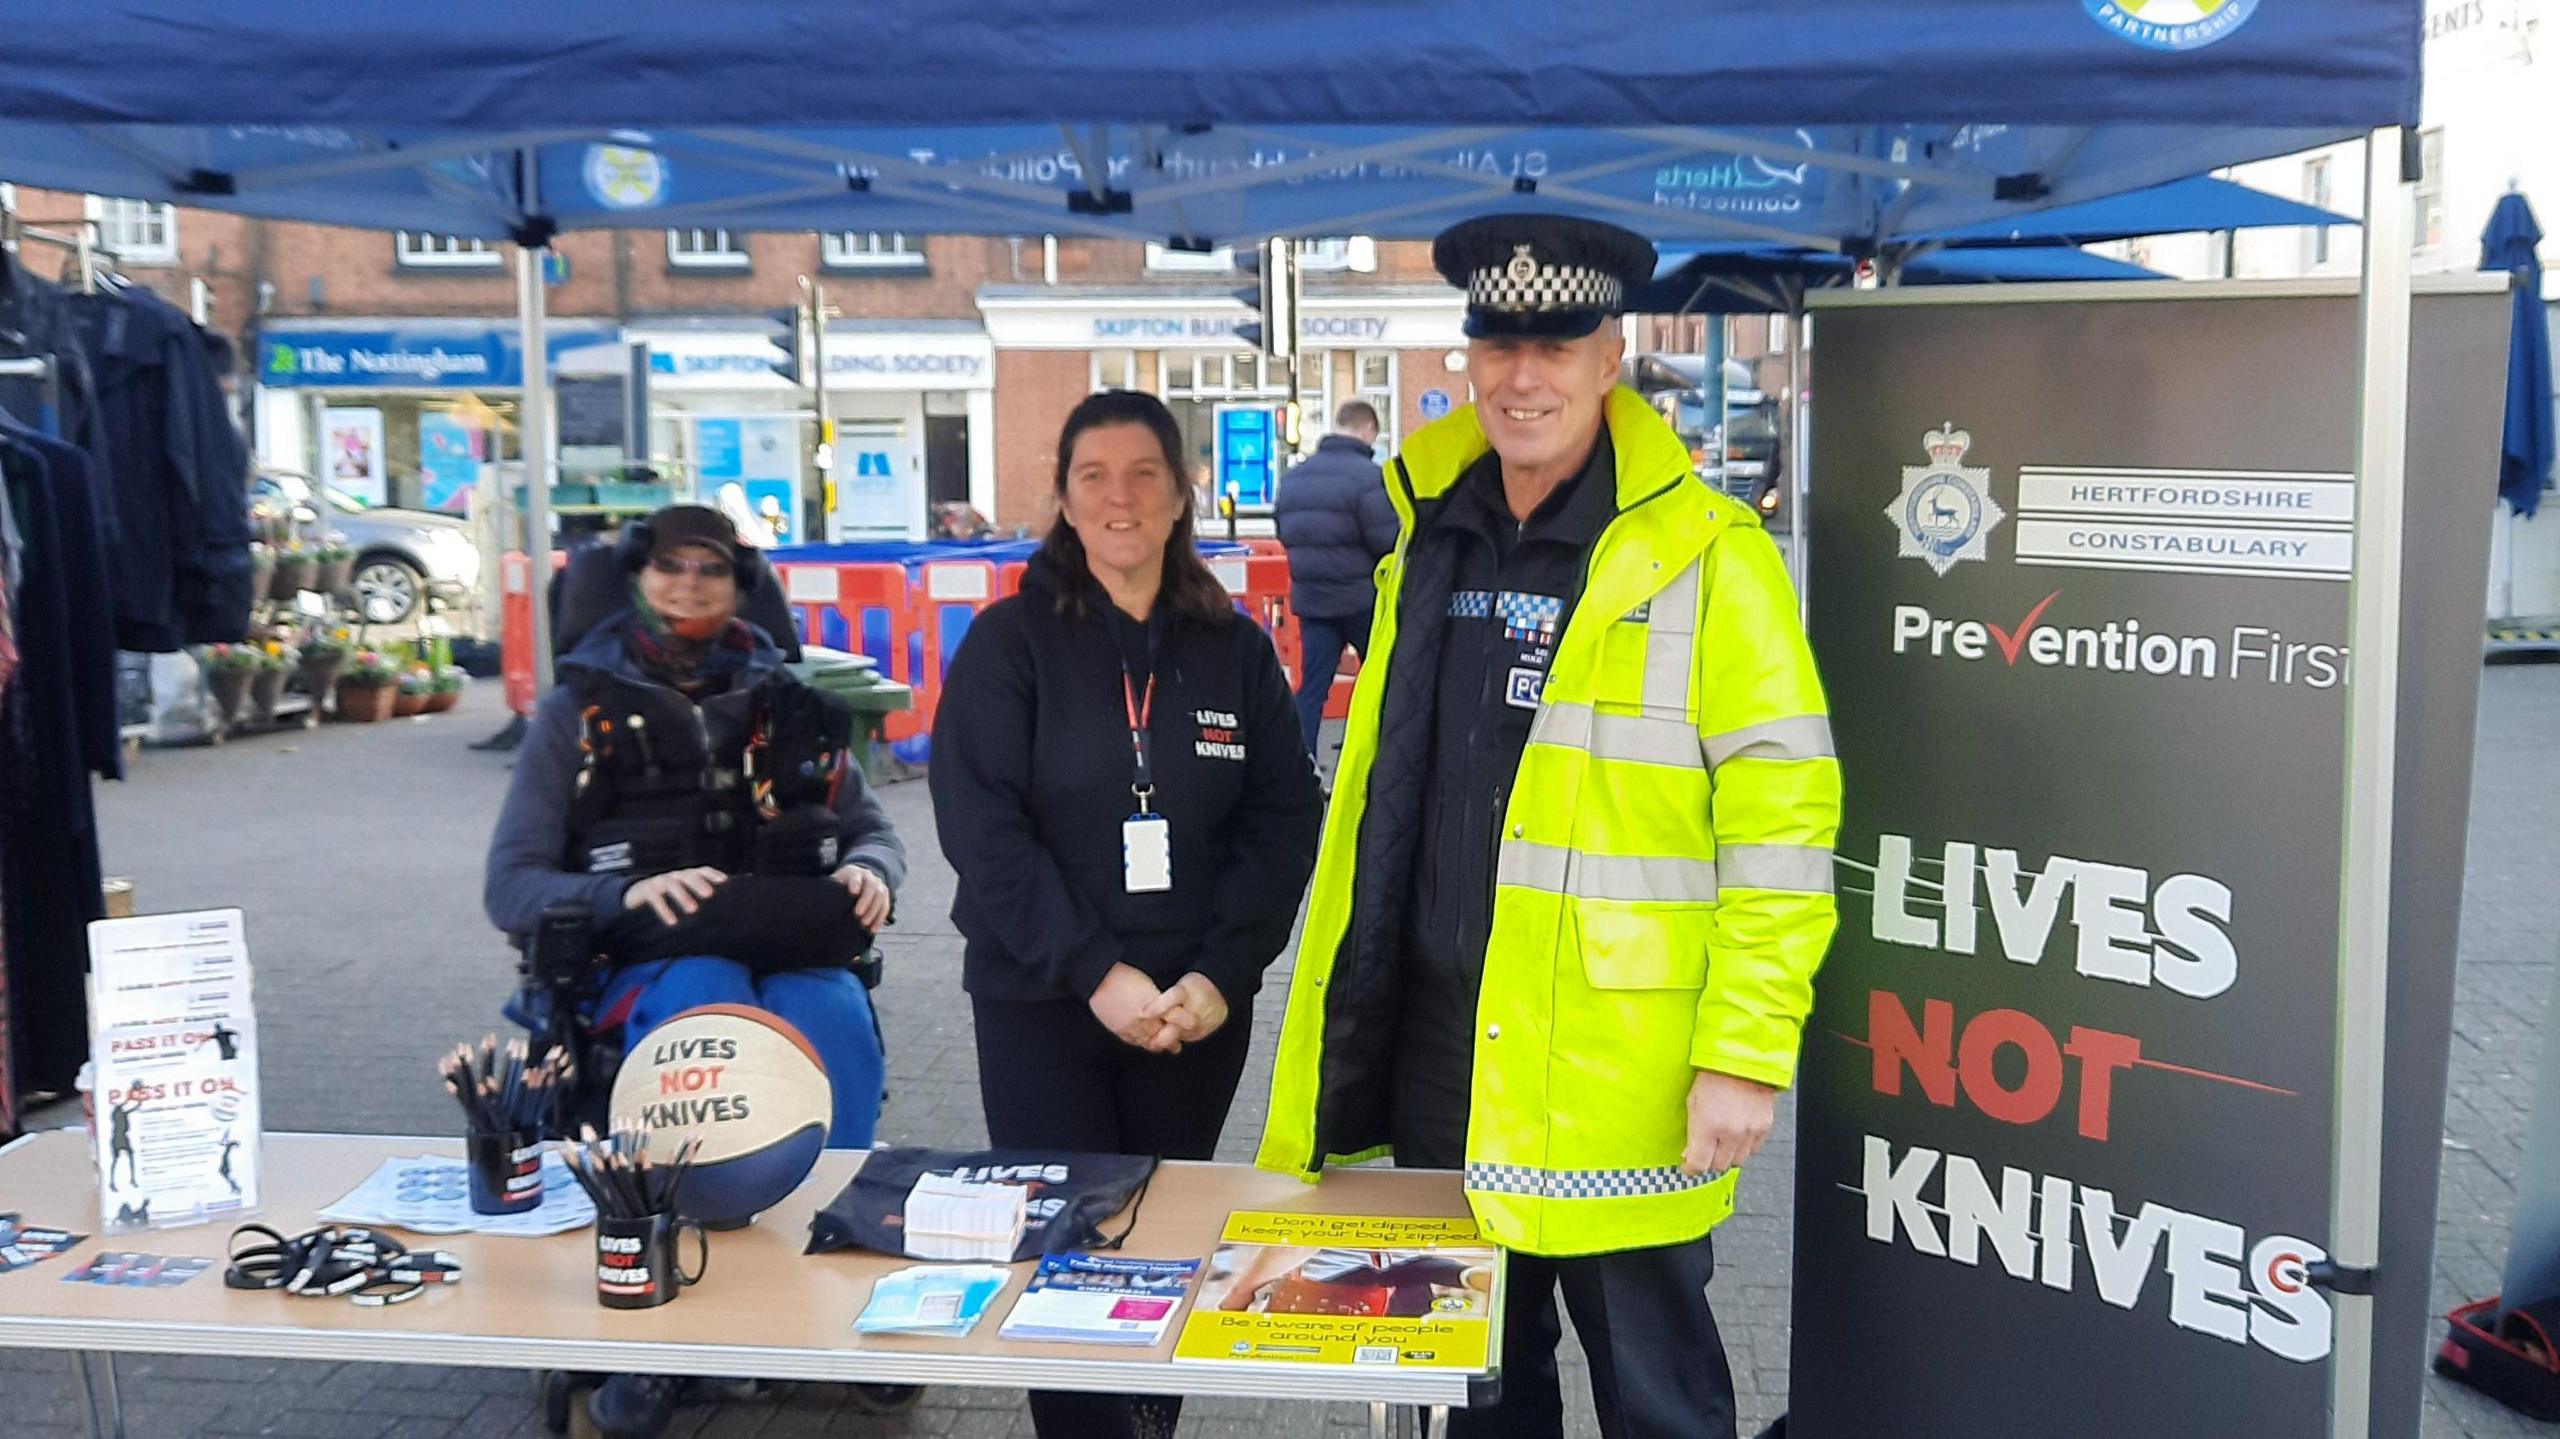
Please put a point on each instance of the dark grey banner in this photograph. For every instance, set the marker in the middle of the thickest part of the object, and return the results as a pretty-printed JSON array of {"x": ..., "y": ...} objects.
[{"x": 2080, "y": 597}]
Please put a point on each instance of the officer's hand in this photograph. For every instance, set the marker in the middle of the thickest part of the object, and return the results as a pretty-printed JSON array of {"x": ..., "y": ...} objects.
[
  {"x": 677, "y": 889},
  {"x": 1121, "y": 1002},
  {"x": 1191, "y": 1010},
  {"x": 1729, "y": 1120},
  {"x": 870, "y": 894}
]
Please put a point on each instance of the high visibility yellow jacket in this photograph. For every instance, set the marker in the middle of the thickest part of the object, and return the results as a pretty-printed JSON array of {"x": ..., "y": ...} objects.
[{"x": 1662, "y": 892}]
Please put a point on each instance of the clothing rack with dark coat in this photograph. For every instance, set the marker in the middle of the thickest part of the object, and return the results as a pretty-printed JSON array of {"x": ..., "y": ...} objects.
[{"x": 57, "y": 728}]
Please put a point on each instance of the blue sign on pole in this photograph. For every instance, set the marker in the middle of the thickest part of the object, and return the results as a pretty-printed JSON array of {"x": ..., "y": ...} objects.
[
  {"x": 1435, "y": 404},
  {"x": 1245, "y": 456}
]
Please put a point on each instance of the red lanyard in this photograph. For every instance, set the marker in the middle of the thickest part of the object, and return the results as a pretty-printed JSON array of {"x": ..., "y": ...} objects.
[{"x": 1140, "y": 713}]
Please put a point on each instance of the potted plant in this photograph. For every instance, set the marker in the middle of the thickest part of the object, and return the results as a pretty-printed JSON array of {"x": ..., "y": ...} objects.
[
  {"x": 446, "y": 690},
  {"x": 297, "y": 569},
  {"x": 415, "y": 686},
  {"x": 274, "y": 661},
  {"x": 323, "y": 656},
  {"x": 262, "y": 567},
  {"x": 369, "y": 687},
  {"x": 337, "y": 568},
  {"x": 227, "y": 672}
]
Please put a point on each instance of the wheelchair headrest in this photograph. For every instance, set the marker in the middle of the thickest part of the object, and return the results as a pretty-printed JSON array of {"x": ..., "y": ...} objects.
[{"x": 595, "y": 585}]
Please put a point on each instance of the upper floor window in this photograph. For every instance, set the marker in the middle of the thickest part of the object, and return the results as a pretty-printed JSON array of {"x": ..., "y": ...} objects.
[{"x": 707, "y": 249}]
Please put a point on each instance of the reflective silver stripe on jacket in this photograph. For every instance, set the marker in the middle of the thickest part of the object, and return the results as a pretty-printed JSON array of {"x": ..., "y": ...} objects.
[
  {"x": 1583, "y": 1183},
  {"x": 1630, "y": 878},
  {"x": 1801, "y": 868},
  {"x": 1796, "y": 737},
  {"x": 1671, "y": 646},
  {"x": 1640, "y": 739}
]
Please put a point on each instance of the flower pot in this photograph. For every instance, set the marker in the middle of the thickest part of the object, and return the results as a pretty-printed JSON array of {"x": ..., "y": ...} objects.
[
  {"x": 265, "y": 688},
  {"x": 442, "y": 700},
  {"x": 319, "y": 673},
  {"x": 336, "y": 576},
  {"x": 228, "y": 689},
  {"x": 294, "y": 574},
  {"x": 367, "y": 703},
  {"x": 409, "y": 703},
  {"x": 262, "y": 568}
]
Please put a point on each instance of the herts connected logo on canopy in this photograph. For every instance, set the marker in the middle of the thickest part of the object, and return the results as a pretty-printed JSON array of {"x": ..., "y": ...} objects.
[{"x": 2171, "y": 24}]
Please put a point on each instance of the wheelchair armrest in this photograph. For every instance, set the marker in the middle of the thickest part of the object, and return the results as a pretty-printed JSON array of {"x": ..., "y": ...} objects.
[{"x": 561, "y": 950}]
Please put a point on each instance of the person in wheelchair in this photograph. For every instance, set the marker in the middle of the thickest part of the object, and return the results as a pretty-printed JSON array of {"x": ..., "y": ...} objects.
[{"x": 702, "y": 803}]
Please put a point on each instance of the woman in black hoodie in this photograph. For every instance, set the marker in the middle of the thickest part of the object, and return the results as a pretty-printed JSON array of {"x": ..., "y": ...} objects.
[{"x": 1122, "y": 788}]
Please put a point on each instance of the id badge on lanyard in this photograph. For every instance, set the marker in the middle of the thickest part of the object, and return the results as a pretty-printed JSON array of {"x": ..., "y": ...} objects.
[{"x": 1146, "y": 839}]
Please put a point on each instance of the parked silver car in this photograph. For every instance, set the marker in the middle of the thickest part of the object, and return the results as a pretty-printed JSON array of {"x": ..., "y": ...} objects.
[{"x": 407, "y": 561}]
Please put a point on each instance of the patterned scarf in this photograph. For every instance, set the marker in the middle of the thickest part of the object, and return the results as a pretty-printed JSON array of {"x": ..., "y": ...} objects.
[{"x": 692, "y": 668}]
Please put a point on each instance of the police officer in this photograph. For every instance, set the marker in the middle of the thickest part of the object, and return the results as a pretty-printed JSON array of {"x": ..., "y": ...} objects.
[{"x": 1577, "y": 874}]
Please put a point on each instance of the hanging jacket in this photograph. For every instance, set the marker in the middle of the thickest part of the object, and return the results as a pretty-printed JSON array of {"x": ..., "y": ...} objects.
[
  {"x": 1663, "y": 877},
  {"x": 683, "y": 798},
  {"x": 57, "y": 725},
  {"x": 179, "y": 473},
  {"x": 1336, "y": 521},
  {"x": 36, "y": 319},
  {"x": 1031, "y": 782}
]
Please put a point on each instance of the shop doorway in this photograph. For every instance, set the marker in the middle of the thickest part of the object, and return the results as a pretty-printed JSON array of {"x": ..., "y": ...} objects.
[{"x": 946, "y": 459}]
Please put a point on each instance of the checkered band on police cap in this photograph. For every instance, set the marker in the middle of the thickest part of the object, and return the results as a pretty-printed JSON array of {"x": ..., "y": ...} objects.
[{"x": 1524, "y": 283}]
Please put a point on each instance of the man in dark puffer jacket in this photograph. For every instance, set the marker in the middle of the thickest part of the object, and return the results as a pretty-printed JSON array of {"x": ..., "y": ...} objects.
[{"x": 1336, "y": 520}]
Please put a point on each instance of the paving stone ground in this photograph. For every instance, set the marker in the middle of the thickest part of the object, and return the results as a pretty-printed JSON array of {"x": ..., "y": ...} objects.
[{"x": 356, "y": 854}]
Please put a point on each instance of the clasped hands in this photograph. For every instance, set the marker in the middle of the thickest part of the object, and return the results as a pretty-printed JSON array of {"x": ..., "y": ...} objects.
[{"x": 1159, "y": 1021}]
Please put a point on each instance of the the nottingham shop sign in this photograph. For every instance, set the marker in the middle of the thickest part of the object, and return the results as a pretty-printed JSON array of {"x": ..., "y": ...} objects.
[{"x": 440, "y": 357}]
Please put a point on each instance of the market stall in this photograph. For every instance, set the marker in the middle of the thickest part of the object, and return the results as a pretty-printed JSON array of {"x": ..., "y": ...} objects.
[{"x": 1821, "y": 126}]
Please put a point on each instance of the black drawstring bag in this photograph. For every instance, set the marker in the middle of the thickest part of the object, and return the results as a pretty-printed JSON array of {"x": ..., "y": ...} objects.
[{"x": 1072, "y": 1197}]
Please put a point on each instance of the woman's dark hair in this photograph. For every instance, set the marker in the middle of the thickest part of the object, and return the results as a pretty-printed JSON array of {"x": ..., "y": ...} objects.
[{"x": 1190, "y": 590}]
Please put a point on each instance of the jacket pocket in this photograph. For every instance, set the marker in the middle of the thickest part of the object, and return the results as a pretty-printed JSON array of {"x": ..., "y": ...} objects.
[{"x": 1644, "y": 946}]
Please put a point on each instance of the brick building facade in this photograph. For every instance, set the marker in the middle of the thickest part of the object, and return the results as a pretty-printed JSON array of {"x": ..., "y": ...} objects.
[{"x": 954, "y": 361}]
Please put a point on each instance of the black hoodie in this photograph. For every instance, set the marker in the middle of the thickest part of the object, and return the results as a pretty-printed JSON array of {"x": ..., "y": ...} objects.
[{"x": 1031, "y": 777}]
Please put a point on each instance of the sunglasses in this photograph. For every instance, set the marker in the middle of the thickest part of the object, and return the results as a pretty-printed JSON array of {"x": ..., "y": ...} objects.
[{"x": 672, "y": 565}]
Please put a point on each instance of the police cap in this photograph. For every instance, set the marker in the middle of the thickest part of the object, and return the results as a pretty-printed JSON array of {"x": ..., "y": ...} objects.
[{"x": 1541, "y": 276}]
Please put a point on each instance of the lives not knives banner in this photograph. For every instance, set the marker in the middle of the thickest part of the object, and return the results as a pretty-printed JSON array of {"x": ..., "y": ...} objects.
[{"x": 2080, "y": 598}]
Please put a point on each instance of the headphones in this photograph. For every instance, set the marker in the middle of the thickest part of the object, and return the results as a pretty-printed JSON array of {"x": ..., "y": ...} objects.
[{"x": 638, "y": 540}]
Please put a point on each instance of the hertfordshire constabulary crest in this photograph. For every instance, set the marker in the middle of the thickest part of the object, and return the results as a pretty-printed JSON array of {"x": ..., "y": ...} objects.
[{"x": 1946, "y": 512}]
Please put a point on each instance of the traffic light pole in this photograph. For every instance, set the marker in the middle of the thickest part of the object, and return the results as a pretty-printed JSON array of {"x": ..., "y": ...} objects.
[{"x": 823, "y": 504}]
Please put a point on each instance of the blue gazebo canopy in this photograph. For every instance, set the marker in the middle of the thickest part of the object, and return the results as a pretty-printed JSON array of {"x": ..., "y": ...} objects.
[{"x": 1825, "y": 124}]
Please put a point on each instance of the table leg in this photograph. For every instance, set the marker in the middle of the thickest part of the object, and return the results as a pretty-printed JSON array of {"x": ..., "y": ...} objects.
[
  {"x": 1380, "y": 1425},
  {"x": 99, "y": 1397},
  {"x": 1435, "y": 1423}
]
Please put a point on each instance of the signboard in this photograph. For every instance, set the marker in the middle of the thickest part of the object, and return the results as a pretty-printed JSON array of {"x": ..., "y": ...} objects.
[
  {"x": 1247, "y": 455},
  {"x": 1035, "y": 319},
  {"x": 448, "y": 461},
  {"x": 431, "y": 355},
  {"x": 892, "y": 361},
  {"x": 750, "y": 464},
  {"x": 878, "y": 485},
  {"x": 2068, "y": 1085},
  {"x": 591, "y": 410},
  {"x": 1435, "y": 404},
  {"x": 351, "y": 449},
  {"x": 173, "y": 1047}
]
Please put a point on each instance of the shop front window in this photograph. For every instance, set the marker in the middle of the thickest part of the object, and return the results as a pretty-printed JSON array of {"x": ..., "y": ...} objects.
[{"x": 1114, "y": 370}]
